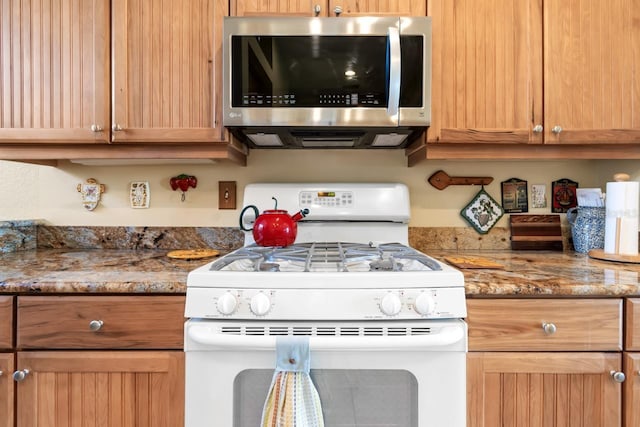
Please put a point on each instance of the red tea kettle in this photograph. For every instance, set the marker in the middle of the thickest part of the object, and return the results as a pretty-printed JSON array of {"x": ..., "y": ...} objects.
[{"x": 275, "y": 227}]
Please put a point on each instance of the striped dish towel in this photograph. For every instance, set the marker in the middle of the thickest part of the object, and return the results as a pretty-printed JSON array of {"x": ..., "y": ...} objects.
[{"x": 292, "y": 400}]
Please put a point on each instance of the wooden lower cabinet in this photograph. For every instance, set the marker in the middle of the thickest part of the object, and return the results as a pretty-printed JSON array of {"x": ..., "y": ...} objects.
[
  {"x": 100, "y": 388},
  {"x": 6, "y": 390},
  {"x": 523, "y": 389},
  {"x": 631, "y": 403}
]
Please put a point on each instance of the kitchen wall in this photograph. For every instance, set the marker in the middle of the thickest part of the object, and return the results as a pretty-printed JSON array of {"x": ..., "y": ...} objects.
[{"x": 48, "y": 193}]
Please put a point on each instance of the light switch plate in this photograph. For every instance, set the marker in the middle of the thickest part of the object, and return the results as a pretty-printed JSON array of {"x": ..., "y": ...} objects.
[{"x": 226, "y": 194}]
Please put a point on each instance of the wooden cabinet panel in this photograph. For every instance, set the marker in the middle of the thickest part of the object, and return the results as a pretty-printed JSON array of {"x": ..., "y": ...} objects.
[
  {"x": 632, "y": 390},
  {"x": 510, "y": 324},
  {"x": 328, "y": 8},
  {"x": 6, "y": 389},
  {"x": 632, "y": 324},
  {"x": 167, "y": 60},
  {"x": 591, "y": 57},
  {"x": 125, "y": 389},
  {"x": 54, "y": 71},
  {"x": 277, "y": 8},
  {"x": 487, "y": 72},
  {"x": 543, "y": 389},
  {"x": 6, "y": 322},
  {"x": 135, "y": 322}
]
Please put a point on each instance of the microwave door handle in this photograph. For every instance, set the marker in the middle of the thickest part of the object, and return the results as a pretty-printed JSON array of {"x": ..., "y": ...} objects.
[{"x": 393, "y": 103}]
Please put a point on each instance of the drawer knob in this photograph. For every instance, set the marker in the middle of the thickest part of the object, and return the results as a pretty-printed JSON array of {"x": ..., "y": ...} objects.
[
  {"x": 1, "y": 373},
  {"x": 549, "y": 328},
  {"x": 19, "y": 376},
  {"x": 618, "y": 376},
  {"x": 95, "y": 325}
]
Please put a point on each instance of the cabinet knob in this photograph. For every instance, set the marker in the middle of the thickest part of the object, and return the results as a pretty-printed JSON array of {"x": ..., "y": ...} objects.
[
  {"x": 337, "y": 10},
  {"x": 19, "y": 376},
  {"x": 317, "y": 9},
  {"x": 538, "y": 129},
  {"x": 618, "y": 376},
  {"x": 96, "y": 128},
  {"x": 1, "y": 373},
  {"x": 116, "y": 127},
  {"x": 549, "y": 328},
  {"x": 556, "y": 129},
  {"x": 95, "y": 325}
]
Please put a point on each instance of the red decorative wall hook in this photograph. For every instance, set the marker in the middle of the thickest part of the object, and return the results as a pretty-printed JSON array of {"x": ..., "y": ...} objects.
[{"x": 183, "y": 182}]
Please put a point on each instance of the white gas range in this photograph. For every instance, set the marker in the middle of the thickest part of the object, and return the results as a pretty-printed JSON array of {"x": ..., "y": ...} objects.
[{"x": 383, "y": 313}]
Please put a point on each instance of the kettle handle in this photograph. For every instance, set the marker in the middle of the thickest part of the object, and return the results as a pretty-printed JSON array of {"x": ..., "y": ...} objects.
[
  {"x": 255, "y": 210},
  {"x": 572, "y": 215}
]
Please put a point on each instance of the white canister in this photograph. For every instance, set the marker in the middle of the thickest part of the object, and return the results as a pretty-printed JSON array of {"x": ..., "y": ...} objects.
[{"x": 621, "y": 224}]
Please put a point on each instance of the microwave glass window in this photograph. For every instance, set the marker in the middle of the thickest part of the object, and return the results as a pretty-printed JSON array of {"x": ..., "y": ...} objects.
[
  {"x": 319, "y": 71},
  {"x": 349, "y": 397}
]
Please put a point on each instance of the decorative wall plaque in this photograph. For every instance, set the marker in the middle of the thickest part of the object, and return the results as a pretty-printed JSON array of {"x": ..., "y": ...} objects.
[
  {"x": 563, "y": 195},
  {"x": 139, "y": 194},
  {"x": 483, "y": 212},
  {"x": 515, "y": 198},
  {"x": 91, "y": 192}
]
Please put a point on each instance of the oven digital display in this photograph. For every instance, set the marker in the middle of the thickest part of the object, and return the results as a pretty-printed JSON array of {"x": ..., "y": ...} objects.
[{"x": 326, "y": 194}]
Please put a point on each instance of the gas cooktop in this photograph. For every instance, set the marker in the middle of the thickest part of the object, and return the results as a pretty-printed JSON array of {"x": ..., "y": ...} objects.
[{"x": 327, "y": 257}]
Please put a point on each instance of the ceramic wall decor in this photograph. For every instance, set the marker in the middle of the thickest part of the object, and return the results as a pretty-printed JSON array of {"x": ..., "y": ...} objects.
[
  {"x": 183, "y": 182},
  {"x": 563, "y": 195},
  {"x": 515, "y": 198},
  {"x": 91, "y": 192},
  {"x": 139, "y": 194},
  {"x": 483, "y": 212}
]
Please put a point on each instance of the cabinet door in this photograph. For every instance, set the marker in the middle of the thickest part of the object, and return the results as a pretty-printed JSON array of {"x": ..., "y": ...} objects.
[
  {"x": 167, "y": 57},
  {"x": 632, "y": 390},
  {"x": 6, "y": 322},
  {"x": 377, "y": 8},
  {"x": 6, "y": 390},
  {"x": 54, "y": 71},
  {"x": 278, "y": 8},
  {"x": 487, "y": 71},
  {"x": 591, "y": 86},
  {"x": 543, "y": 389},
  {"x": 125, "y": 389}
]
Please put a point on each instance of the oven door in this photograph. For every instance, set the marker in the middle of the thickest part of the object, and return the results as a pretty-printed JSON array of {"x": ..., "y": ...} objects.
[{"x": 392, "y": 374}]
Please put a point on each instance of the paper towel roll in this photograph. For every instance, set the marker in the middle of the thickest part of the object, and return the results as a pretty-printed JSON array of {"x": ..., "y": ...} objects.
[{"x": 621, "y": 224}]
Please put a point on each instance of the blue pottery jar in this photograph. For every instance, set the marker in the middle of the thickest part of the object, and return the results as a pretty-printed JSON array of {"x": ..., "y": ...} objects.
[{"x": 587, "y": 227}]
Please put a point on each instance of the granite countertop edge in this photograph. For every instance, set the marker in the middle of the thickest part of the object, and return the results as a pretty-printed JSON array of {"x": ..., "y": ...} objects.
[{"x": 99, "y": 271}]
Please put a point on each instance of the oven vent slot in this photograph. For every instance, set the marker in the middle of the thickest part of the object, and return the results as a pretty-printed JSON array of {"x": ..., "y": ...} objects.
[{"x": 332, "y": 331}]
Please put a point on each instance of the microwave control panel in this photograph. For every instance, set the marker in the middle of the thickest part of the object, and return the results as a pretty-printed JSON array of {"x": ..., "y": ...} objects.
[{"x": 325, "y": 99}]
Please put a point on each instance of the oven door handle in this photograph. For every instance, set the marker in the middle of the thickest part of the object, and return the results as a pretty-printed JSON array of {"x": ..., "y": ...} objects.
[{"x": 445, "y": 336}]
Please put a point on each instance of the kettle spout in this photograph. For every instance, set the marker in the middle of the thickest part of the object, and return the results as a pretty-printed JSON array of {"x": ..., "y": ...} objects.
[{"x": 299, "y": 215}]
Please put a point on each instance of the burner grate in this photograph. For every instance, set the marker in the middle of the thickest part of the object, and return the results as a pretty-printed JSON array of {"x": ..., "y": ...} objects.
[{"x": 326, "y": 257}]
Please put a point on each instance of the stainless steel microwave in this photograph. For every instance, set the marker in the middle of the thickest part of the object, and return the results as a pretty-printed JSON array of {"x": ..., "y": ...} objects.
[{"x": 327, "y": 82}]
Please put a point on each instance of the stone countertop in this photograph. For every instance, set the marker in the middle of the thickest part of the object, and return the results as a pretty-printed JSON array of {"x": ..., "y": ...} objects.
[
  {"x": 94, "y": 271},
  {"x": 525, "y": 273}
]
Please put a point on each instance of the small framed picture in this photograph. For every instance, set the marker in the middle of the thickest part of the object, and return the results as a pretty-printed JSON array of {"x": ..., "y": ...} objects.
[
  {"x": 563, "y": 195},
  {"x": 515, "y": 198},
  {"x": 139, "y": 195}
]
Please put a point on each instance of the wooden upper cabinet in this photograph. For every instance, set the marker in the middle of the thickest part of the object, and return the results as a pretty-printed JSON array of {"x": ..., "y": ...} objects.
[
  {"x": 328, "y": 8},
  {"x": 54, "y": 71},
  {"x": 278, "y": 8},
  {"x": 166, "y": 60},
  {"x": 591, "y": 60},
  {"x": 487, "y": 71}
]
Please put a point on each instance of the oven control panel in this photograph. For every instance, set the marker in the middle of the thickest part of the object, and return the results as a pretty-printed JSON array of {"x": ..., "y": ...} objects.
[
  {"x": 326, "y": 304},
  {"x": 326, "y": 199}
]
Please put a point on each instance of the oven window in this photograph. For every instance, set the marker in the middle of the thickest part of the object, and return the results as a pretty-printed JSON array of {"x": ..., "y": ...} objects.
[{"x": 350, "y": 397}]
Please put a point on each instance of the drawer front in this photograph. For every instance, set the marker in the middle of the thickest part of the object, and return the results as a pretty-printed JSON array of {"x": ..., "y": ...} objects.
[
  {"x": 545, "y": 324},
  {"x": 6, "y": 322},
  {"x": 137, "y": 322},
  {"x": 632, "y": 323}
]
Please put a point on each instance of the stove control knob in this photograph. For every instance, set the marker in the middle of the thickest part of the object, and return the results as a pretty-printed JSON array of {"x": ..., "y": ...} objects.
[
  {"x": 260, "y": 304},
  {"x": 227, "y": 304},
  {"x": 424, "y": 304},
  {"x": 390, "y": 304}
]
